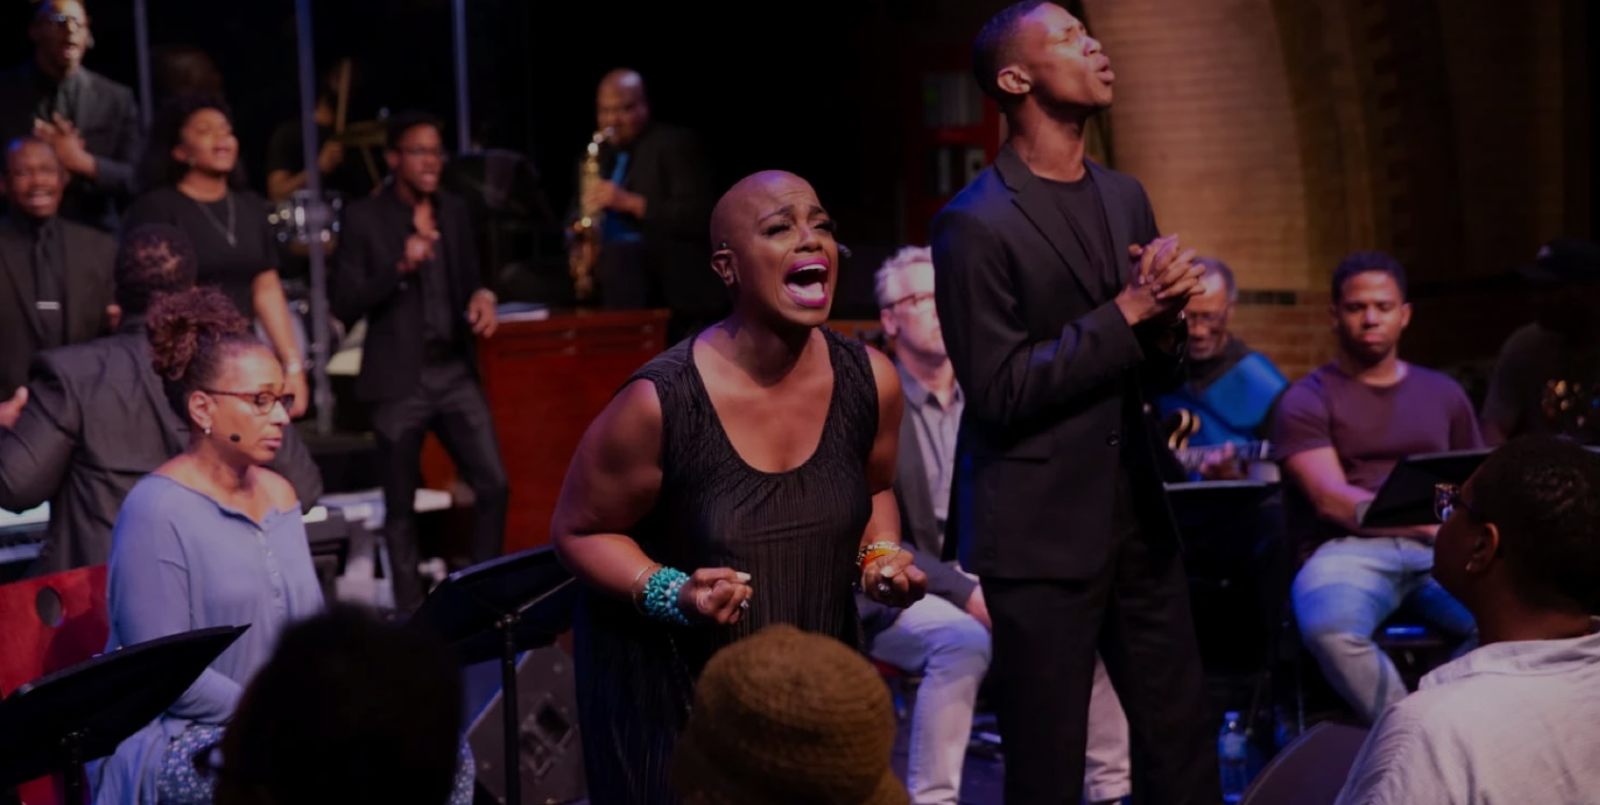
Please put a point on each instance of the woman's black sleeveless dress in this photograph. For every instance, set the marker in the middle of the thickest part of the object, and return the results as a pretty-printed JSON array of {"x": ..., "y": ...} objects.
[{"x": 796, "y": 533}]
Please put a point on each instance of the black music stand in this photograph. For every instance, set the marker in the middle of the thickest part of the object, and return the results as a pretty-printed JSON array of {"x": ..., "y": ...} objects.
[
  {"x": 1198, "y": 504},
  {"x": 62, "y": 720},
  {"x": 1235, "y": 559},
  {"x": 495, "y": 609},
  {"x": 1406, "y": 497}
]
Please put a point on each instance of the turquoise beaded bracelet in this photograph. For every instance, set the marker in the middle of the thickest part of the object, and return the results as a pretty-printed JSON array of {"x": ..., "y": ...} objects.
[{"x": 661, "y": 595}]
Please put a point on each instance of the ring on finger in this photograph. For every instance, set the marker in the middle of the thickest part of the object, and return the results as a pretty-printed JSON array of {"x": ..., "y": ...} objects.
[
  {"x": 745, "y": 604},
  {"x": 884, "y": 588}
]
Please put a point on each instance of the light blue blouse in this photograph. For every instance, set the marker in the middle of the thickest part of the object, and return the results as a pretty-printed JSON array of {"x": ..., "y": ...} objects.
[{"x": 182, "y": 561}]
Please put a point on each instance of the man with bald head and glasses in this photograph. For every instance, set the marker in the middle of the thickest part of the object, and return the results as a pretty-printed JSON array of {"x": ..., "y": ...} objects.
[{"x": 1228, "y": 388}]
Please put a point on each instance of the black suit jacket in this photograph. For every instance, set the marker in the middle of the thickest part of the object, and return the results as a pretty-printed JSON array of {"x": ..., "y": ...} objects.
[
  {"x": 366, "y": 283},
  {"x": 88, "y": 260},
  {"x": 95, "y": 423},
  {"x": 667, "y": 166},
  {"x": 108, "y": 120},
  {"x": 1051, "y": 372}
]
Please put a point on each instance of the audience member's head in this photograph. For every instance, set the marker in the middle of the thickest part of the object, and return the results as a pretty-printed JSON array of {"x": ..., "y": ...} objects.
[
  {"x": 1370, "y": 307},
  {"x": 347, "y": 710},
  {"x": 904, "y": 288},
  {"x": 34, "y": 179},
  {"x": 1565, "y": 279},
  {"x": 1208, "y": 314},
  {"x": 786, "y": 716},
  {"x": 1526, "y": 526},
  {"x": 152, "y": 260}
]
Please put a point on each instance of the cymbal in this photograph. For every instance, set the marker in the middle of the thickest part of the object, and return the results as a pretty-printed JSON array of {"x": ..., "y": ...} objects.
[{"x": 363, "y": 134}]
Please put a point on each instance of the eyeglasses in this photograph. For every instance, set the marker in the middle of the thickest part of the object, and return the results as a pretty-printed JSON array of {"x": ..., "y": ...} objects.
[
  {"x": 67, "y": 21},
  {"x": 1212, "y": 320},
  {"x": 419, "y": 153},
  {"x": 917, "y": 301},
  {"x": 262, "y": 400},
  {"x": 1447, "y": 498}
]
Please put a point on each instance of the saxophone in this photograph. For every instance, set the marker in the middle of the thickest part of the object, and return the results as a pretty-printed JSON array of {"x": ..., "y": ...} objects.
[{"x": 585, "y": 247}]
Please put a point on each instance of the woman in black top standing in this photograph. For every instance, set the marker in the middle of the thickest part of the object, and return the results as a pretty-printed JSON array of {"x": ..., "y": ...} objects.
[
  {"x": 741, "y": 478},
  {"x": 191, "y": 167}
]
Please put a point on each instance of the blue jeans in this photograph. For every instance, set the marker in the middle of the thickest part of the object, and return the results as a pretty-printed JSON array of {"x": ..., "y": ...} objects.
[{"x": 1345, "y": 590}]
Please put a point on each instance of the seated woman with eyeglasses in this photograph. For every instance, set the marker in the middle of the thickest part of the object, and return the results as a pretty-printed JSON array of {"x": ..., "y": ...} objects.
[{"x": 210, "y": 538}]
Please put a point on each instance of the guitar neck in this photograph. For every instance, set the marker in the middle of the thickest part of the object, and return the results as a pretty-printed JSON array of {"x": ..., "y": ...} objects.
[{"x": 1192, "y": 457}]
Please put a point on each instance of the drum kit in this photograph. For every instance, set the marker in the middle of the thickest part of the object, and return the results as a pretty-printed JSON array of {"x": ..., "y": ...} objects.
[{"x": 303, "y": 216}]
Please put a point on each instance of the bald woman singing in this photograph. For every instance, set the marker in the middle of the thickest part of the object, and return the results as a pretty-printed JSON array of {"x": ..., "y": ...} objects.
[{"x": 741, "y": 478}]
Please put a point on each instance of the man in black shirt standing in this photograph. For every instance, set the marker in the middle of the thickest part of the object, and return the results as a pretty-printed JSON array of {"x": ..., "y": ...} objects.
[
  {"x": 89, "y": 120},
  {"x": 1058, "y": 505},
  {"x": 409, "y": 264}
]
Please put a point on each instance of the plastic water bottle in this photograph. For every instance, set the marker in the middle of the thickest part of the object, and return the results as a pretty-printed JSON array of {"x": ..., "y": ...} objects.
[{"x": 1232, "y": 755}]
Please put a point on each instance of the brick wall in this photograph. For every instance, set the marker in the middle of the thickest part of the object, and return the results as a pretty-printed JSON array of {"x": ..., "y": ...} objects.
[
  {"x": 1280, "y": 135},
  {"x": 1290, "y": 327},
  {"x": 1203, "y": 117}
]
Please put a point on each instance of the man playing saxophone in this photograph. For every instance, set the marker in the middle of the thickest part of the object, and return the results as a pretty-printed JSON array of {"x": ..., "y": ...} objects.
[{"x": 648, "y": 195}]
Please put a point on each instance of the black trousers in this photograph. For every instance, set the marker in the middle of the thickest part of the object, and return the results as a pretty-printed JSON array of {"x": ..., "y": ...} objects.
[
  {"x": 1136, "y": 613},
  {"x": 448, "y": 402}
]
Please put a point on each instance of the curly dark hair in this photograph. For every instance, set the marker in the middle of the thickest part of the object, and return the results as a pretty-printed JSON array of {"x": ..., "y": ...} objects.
[
  {"x": 157, "y": 168},
  {"x": 152, "y": 259},
  {"x": 1544, "y": 495},
  {"x": 192, "y": 335}
]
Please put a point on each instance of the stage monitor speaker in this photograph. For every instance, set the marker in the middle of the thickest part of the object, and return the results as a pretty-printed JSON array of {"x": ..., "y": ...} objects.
[{"x": 551, "y": 754}]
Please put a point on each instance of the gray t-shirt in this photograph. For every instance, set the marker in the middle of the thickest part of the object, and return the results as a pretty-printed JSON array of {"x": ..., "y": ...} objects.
[{"x": 1371, "y": 427}]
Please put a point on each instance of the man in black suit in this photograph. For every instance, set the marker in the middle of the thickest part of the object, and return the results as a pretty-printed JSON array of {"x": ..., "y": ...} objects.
[
  {"x": 408, "y": 262},
  {"x": 89, "y": 120},
  {"x": 656, "y": 195},
  {"x": 55, "y": 275},
  {"x": 1059, "y": 508},
  {"x": 97, "y": 421},
  {"x": 945, "y": 636}
]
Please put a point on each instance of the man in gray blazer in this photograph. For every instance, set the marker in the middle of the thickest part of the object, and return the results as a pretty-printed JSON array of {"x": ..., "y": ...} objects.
[
  {"x": 55, "y": 275},
  {"x": 96, "y": 420}
]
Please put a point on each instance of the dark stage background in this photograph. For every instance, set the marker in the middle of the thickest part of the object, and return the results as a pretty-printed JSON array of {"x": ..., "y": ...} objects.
[{"x": 1278, "y": 134}]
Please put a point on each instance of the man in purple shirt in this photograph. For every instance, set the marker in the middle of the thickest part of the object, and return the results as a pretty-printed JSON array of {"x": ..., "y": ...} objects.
[{"x": 1339, "y": 431}]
